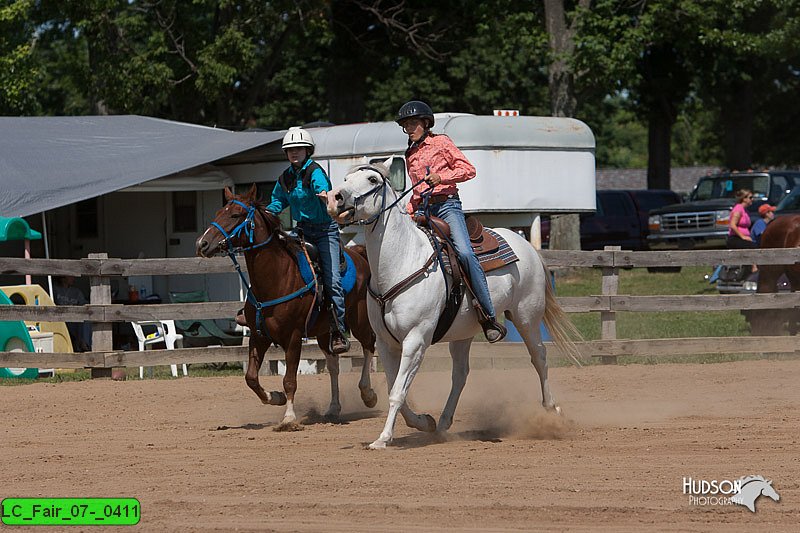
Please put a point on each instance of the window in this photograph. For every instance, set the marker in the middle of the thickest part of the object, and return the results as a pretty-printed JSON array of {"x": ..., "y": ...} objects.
[
  {"x": 616, "y": 204},
  {"x": 184, "y": 211},
  {"x": 86, "y": 219}
]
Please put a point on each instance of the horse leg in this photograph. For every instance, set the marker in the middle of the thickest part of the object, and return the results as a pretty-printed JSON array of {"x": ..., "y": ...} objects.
[
  {"x": 368, "y": 395},
  {"x": 459, "y": 353},
  {"x": 332, "y": 364},
  {"x": 400, "y": 372},
  {"x": 531, "y": 335},
  {"x": 292, "y": 356},
  {"x": 257, "y": 348}
]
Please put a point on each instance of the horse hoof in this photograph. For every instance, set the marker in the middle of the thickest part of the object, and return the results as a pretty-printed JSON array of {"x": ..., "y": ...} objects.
[
  {"x": 331, "y": 418},
  {"x": 277, "y": 398},
  {"x": 291, "y": 425},
  {"x": 430, "y": 424},
  {"x": 377, "y": 445},
  {"x": 369, "y": 398}
]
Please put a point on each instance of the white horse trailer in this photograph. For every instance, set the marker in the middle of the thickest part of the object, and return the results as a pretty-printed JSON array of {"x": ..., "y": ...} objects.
[{"x": 525, "y": 165}]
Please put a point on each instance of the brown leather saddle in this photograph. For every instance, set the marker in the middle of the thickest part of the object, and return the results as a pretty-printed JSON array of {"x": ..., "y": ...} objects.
[{"x": 481, "y": 240}]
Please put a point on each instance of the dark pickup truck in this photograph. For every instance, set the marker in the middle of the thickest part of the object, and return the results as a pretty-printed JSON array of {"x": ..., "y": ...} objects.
[
  {"x": 620, "y": 220},
  {"x": 702, "y": 221}
]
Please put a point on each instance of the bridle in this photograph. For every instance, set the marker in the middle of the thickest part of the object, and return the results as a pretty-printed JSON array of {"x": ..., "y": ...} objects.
[
  {"x": 246, "y": 227},
  {"x": 384, "y": 183}
]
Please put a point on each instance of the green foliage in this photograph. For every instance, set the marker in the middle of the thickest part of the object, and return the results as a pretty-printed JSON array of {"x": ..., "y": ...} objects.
[
  {"x": 229, "y": 63},
  {"x": 17, "y": 66}
]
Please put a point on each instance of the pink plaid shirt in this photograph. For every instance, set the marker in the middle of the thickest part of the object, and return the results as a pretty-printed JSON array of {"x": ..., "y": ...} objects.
[{"x": 441, "y": 156}]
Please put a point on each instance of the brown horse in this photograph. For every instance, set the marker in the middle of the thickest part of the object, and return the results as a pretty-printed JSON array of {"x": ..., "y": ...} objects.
[
  {"x": 272, "y": 264},
  {"x": 783, "y": 232}
]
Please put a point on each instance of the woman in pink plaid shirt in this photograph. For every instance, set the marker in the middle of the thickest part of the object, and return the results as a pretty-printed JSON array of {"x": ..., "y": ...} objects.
[{"x": 436, "y": 160}]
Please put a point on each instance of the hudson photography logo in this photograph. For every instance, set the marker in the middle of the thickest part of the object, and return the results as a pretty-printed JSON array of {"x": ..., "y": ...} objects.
[{"x": 743, "y": 491}]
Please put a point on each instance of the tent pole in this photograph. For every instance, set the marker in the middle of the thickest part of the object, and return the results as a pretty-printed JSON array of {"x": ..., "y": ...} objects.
[
  {"x": 27, "y": 256},
  {"x": 47, "y": 253}
]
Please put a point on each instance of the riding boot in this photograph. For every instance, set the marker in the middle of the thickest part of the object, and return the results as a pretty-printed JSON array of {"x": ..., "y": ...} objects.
[
  {"x": 339, "y": 343},
  {"x": 492, "y": 329}
]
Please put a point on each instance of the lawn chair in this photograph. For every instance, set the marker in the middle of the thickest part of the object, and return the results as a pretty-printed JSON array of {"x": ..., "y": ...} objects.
[
  {"x": 151, "y": 332},
  {"x": 201, "y": 332}
]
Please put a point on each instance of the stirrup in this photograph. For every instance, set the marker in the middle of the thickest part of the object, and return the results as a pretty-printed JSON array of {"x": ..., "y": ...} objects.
[
  {"x": 339, "y": 343},
  {"x": 494, "y": 330}
]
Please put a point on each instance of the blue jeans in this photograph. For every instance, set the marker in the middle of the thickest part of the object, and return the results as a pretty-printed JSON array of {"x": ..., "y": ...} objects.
[
  {"x": 450, "y": 211},
  {"x": 326, "y": 238}
]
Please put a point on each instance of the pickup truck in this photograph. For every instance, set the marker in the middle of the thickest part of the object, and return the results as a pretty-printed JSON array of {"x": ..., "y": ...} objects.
[
  {"x": 620, "y": 220},
  {"x": 702, "y": 221}
]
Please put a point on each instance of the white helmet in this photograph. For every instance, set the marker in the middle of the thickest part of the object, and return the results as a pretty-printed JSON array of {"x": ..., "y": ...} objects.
[{"x": 297, "y": 136}]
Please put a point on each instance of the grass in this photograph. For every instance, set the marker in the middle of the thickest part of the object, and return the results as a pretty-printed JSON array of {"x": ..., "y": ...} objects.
[{"x": 639, "y": 282}]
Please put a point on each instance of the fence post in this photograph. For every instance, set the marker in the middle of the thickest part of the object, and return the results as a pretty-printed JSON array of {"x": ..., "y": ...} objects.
[
  {"x": 608, "y": 319},
  {"x": 102, "y": 340}
]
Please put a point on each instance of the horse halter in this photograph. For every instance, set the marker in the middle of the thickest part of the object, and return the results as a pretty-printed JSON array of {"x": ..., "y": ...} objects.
[
  {"x": 246, "y": 227},
  {"x": 383, "y": 184}
]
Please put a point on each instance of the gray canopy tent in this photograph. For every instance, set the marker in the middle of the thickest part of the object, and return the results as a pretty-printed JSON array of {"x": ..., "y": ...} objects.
[{"x": 49, "y": 162}]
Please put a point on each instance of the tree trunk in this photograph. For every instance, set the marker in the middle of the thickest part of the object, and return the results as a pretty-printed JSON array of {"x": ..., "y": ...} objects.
[
  {"x": 564, "y": 229},
  {"x": 659, "y": 149},
  {"x": 737, "y": 119}
]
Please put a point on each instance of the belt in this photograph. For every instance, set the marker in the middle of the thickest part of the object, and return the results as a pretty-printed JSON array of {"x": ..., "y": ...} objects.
[{"x": 441, "y": 198}]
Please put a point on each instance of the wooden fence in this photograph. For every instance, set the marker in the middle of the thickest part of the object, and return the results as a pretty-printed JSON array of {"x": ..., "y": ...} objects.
[{"x": 103, "y": 313}]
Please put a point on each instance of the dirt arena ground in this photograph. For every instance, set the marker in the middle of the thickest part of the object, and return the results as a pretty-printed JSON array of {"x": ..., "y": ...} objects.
[{"x": 200, "y": 454}]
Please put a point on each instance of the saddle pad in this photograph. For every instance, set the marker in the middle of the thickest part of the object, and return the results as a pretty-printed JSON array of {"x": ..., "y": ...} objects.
[
  {"x": 348, "y": 277},
  {"x": 502, "y": 256},
  {"x": 493, "y": 260}
]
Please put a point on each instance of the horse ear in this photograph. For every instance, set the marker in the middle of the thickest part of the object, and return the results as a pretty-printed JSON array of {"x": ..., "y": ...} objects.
[
  {"x": 251, "y": 194},
  {"x": 228, "y": 194},
  {"x": 388, "y": 163}
]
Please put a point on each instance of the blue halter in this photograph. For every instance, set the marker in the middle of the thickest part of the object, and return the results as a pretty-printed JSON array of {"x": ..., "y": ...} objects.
[{"x": 247, "y": 227}]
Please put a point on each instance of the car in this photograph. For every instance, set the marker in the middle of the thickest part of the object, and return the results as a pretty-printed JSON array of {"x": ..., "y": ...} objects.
[
  {"x": 702, "y": 221},
  {"x": 621, "y": 218}
]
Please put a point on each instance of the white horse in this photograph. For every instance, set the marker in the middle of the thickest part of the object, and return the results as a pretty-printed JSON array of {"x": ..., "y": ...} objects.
[{"x": 405, "y": 324}]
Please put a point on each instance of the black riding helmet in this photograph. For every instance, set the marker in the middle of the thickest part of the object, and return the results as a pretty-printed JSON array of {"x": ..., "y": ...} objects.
[{"x": 415, "y": 108}]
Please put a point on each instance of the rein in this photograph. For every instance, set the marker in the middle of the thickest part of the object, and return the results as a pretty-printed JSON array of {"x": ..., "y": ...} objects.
[
  {"x": 374, "y": 218},
  {"x": 383, "y": 299},
  {"x": 248, "y": 227}
]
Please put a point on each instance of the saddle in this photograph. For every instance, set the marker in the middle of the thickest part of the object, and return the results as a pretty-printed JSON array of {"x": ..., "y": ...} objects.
[
  {"x": 480, "y": 239},
  {"x": 313, "y": 253}
]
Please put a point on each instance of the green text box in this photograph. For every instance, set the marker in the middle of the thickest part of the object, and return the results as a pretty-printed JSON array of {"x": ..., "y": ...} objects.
[{"x": 70, "y": 511}]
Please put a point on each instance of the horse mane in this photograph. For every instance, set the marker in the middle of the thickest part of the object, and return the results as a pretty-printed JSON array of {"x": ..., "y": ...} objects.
[
  {"x": 380, "y": 168},
  {"x": 291, "y": 244},
  {"x": 748, "y": 479}
]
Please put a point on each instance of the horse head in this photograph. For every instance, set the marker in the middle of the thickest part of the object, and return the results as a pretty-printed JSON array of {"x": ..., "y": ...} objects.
[
  {"x": 363, "y": 195},
  {"x": 751, "y": 488},
  {"x": 240, "y": 223}
]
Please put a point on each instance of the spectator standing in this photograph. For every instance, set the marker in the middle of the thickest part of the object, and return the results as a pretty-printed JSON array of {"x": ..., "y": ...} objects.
[{"x": 66, "y": 293}]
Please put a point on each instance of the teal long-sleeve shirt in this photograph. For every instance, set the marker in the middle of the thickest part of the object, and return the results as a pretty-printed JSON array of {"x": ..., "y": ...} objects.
[{"x": 306, "y": 206}]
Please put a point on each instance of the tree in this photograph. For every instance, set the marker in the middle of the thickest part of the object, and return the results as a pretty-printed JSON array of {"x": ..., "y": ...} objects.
[
  {"x": 564, "y": 229},
  {"x": 18, "y": 71}
]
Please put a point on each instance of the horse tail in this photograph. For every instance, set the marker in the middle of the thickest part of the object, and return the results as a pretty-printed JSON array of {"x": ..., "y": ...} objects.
[{"x": 559, "y": 325}]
